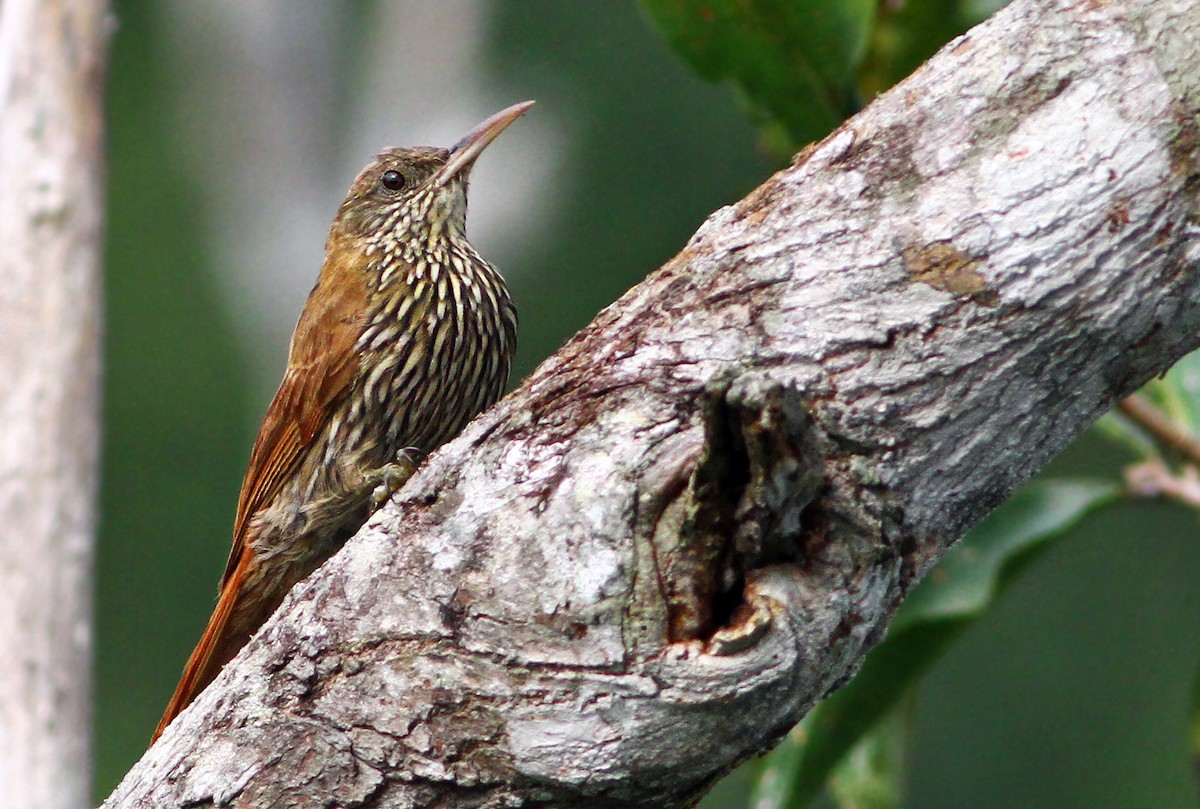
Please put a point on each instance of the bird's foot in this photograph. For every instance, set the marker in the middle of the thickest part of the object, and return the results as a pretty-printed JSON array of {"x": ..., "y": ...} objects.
[{"x": 387, "y": 480}]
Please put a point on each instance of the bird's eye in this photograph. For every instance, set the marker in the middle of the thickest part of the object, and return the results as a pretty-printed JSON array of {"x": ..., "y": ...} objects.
[{"x": 392, "y": 180}]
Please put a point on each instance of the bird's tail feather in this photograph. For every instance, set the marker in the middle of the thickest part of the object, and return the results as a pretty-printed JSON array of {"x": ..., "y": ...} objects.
[{"x": 217, "y": 646}]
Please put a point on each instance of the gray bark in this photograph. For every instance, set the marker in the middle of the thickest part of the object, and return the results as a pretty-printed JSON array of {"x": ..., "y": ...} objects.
[
  {"x": 51, "y": 65},
  {"x": 692, "y": 522}
]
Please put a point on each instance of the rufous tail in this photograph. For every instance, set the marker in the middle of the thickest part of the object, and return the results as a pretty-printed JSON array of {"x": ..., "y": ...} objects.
[{"x": 219, "y": 643}]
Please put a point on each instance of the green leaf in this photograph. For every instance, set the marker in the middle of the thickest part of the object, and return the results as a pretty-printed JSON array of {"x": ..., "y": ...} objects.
[
  {"x": 1177, "y": 395},
  {"x": 942, "y": 606},
  {"x": 968, "y": 579},
  {"x": 908, "y": 33},
  {"x": 870, "y": 775},
  {"x": 1178, "y": 392},
  {"x": 1116, "y": 428},
  {"x": 778, "y": 772},
  {"x": 1195, "y": 751},
  {"x": 795, "y": 61}
]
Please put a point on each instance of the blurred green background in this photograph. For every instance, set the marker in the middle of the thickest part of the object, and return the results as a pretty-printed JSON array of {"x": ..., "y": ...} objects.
[{"x": 235, "y": 129}]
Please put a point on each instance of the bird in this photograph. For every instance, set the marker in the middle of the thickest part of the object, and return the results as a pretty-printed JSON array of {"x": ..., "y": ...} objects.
[{"x": 407, "y": 335}]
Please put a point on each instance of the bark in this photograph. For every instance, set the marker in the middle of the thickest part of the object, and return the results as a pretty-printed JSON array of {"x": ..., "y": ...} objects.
[
  {"x": 691, "y": 523},
  {"x": 51, "y": 60}
]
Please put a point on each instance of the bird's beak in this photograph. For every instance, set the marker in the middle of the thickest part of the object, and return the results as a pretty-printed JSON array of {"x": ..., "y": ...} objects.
[{"x": 464, "y": 153}]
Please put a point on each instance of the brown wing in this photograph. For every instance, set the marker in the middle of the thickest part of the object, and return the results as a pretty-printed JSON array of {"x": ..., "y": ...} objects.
[{"x": 321, "y": 366}]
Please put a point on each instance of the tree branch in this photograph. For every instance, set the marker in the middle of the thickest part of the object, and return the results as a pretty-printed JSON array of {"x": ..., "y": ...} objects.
[
  {"x": 51, "y": 211},
  {"x": 692, "y": 522},
  {"x": 1158, "y": 425}
]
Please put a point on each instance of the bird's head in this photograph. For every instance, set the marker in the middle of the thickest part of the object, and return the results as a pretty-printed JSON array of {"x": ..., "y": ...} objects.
[{"x": 417, "y": 195}]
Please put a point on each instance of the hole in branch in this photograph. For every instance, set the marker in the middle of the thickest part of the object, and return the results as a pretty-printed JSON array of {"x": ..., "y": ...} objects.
[{"x": 742, "y": 506}]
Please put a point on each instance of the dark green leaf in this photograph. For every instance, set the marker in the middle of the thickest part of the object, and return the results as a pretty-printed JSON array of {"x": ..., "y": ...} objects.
[
  {"x": 870, "y": 776},
  {"x": 1178, "y": 393},
  {"x": 950, "y": 598},
  {"x": 967, "y": 579},
  {"x": 794, "y": 60},
  {"x": 908, "y": 33},
  {"x": 1195, "y": 751}
]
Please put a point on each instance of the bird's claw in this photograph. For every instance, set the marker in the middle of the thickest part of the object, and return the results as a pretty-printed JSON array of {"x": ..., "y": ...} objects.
[{"x": 388, "y": 479}]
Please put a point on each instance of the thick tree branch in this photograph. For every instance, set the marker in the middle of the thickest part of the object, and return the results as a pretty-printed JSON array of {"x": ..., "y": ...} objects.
[
  {"x": 51, "y": 204},
  {"x": 691, "y": 523}
]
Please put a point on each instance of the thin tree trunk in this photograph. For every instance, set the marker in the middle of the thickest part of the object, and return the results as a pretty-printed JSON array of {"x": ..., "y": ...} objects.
[
  {"x": 51, "y": 65},
  {"x": 691, "y": 523}
]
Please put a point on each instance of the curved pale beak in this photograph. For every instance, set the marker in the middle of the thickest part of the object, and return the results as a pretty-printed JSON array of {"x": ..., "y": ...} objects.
[{"x": 464, "y": 153}]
